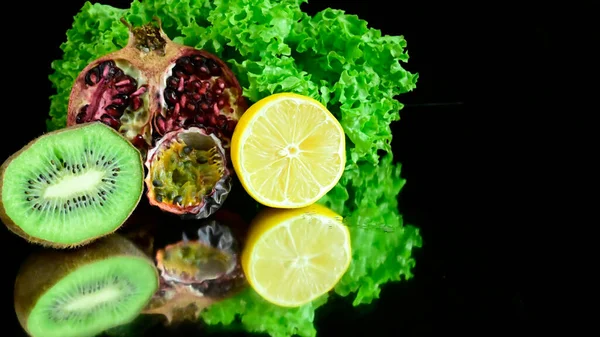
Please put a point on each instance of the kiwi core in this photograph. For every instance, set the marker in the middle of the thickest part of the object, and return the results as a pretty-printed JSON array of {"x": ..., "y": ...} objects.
[
  {"x": 74, "y": 185},
  {"x": 94, "y": 297}
]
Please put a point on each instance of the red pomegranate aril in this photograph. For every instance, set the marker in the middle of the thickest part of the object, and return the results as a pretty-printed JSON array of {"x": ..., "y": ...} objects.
[
  {"x": 176, "y": 110},
  {"x": 92, "y": 77},
  {"x": 216, "y": 109},
  {"x": 140, "y": 91},
  {"x": 185, "y": 63},
  {"x": 183, "y": 99},
  {"x": 231, "y": 125},
  {"x": 221, "y": 121},
  {"x": 214, "y": 68},
  {"x": 191, "y": 107},
  {"x": 170, "y": 96},
  {"x": 204, "y": 107},
  {"x": 221, "y": 103},
  {"x": 120, "y": 99},
  {"x": 181, "y": 74},
  {"x": 114, "y": 111},
  {"x": 108, "y": 120},
  {"x": 160, "y": 124},
  {"x": 172, "y": 82},
  {"x": 82, "y": 113},
  {"x": 136, "y": 103},
  {"x": 139, "y": 141}
]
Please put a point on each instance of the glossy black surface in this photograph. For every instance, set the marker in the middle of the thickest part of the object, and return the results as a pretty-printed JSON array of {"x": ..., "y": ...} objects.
[{"x": 482, "y": 74}]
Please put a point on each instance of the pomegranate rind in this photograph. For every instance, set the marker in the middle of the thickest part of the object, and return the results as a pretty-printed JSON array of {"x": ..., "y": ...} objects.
[
  {"x": 153, "y": 54},
  {"x": 209, "y": 203}
]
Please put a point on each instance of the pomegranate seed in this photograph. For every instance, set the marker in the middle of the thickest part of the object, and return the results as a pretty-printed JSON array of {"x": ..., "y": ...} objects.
[
  {"x": 212, "y": 119},
  {"x": 93, "y": 76},
  {"x": 204, "y": 107},
  {"x": 120, "y": 99},
  {"x": 221, "y": 121},
  {"x": 218, "y": 91},
  {"x": 220, "y": 83},
  {"x": 160, "y": 124},
  {"x": 172, "y": 82},
  {"x": 214, "y": 67},
  {"x": 80, "y": 117},
  {"x": 136, "y": 103},
  {"x": 122, "y": 82},
  {"x": 216, "y": 109},
  {"x": 140, "y": 91},
  {"x": 139, "y": 141},
  {"x": 183, "y": 100},
  {"x": 113, "y": 110},
  {"x": 176, "y": 110},
  {"x": 221, "y": 103},
  {"x": 110, "y": 121},
  {"x": 231, "y": 125},
  {"x": 190, "y": 107},
  {"x": 196, "y": 97},
  {"x": 181, "y": 83},
  {"x": 199, "y": 119},
  {"x": 170, "y": 96},
  {"x": 186, "y": 64}
]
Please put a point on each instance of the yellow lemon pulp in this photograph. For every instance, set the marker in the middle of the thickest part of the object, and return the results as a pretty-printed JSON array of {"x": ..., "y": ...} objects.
[
  {"x": 293, "y": 256},
  {"x": 288, "y": 151}
]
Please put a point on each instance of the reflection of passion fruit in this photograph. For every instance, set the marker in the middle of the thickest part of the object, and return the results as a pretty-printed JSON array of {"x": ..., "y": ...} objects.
[
  {"x": 188, "y": 173},
  {"x": 201, "y": 268}
]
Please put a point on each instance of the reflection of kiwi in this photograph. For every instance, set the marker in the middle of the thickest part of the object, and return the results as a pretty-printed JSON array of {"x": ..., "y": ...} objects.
[
  {"x": 82, "y": 292},
  {"x": 71, "y": 186}
]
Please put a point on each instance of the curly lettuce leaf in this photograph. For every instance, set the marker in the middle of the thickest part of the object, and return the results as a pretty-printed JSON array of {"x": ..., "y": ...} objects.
[
  {"x": 273, "y": 46},
  {"x": 366, "y": 197}
]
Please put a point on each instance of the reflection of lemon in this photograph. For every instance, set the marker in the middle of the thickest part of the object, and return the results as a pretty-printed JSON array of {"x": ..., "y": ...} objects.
[
  {"x": 293, "y": 256},
  {"x": 288, "y": 150}
]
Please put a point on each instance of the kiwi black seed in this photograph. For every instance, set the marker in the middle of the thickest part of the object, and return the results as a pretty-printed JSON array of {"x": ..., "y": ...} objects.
[
  {"x": 71, "y": 186},
  {"x": 84, "y": 291}
]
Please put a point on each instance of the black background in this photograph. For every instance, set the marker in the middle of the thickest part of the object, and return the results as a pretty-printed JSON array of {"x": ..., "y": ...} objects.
[{"x": 482, "y": 77}]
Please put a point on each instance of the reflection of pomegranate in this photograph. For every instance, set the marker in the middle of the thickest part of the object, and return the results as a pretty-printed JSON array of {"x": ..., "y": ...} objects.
[{"x": 153, "y": 86}]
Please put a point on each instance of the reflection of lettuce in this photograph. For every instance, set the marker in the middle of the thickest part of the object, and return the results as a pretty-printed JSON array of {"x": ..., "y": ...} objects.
[{"x": 273, "y": 47}]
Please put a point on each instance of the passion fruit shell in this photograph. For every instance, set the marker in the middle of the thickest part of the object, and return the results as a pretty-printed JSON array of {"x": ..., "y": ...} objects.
[{"x": 188, "y": 173}]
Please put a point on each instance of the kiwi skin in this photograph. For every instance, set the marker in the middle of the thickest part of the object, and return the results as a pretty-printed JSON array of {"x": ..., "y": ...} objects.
[
  {"x": 16, "y": 229},
  {"x": 44, "y": 268}
]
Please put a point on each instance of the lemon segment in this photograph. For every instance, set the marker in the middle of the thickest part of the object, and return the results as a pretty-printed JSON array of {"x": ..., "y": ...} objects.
[
  {"x": 293, "y": 256},
  {"x": 288, "y": 151}
]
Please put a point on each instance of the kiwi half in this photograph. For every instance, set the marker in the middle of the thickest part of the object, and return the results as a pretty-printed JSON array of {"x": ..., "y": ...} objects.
[
  {"x": 71, "y": 186},
  {"x": 84, "y": 291}
]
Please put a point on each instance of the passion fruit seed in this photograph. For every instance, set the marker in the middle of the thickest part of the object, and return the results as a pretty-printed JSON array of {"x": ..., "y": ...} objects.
[{"x": 183, "y": 175}]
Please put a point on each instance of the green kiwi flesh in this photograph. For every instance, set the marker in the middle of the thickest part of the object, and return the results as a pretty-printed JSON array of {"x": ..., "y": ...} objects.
[
  {"x": 84, "y": 291},
  {"x": 69, "y": 187}
]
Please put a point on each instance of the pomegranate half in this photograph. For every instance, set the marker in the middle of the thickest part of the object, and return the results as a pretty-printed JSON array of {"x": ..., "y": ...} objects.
[{"x": 154, "y": 85}]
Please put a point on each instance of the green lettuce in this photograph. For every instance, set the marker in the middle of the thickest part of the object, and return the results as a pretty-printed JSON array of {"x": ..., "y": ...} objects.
[{"x": 273, "y": 46}]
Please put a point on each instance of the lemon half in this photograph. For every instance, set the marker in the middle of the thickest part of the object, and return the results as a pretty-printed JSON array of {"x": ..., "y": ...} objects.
[
  {"x": 293, "y": 256},
  {"x": 288, "y": 151}
]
